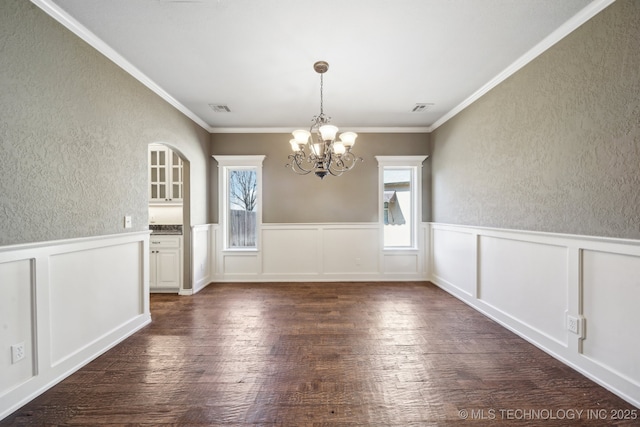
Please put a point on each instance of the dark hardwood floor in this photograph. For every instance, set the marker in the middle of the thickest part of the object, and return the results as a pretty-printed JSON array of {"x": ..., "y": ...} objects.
[{"x": 316, "y": 354}]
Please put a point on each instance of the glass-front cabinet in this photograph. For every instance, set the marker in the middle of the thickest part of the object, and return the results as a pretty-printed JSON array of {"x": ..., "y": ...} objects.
[{"x": 165, "y": 175}]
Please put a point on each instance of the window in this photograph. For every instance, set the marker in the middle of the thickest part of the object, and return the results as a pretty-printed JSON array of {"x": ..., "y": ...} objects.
[
  {"x": 240, "y": 200},
  {"x": 400, "y": 192},
  {"x": 242, "y": 195},
  {"x": 398, "y": 207}
]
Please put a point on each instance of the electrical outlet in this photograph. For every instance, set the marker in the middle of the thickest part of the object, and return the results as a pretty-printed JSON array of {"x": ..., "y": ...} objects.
[
  {"x": 573, "y": 324},
  {"x": 17, "y": 352}
]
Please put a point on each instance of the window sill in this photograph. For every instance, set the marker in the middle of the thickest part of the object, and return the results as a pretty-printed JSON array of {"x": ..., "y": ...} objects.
[
  {"x": 401, "y": 249},
  {"x": 240, "y": 250}
]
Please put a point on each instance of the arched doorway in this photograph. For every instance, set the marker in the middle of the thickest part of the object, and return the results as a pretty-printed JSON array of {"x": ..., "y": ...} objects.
[{"x": 169, "y": 187}]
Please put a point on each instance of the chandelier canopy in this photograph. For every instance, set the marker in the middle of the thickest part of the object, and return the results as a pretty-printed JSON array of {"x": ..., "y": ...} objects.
[{"x": 324, "y": 153}]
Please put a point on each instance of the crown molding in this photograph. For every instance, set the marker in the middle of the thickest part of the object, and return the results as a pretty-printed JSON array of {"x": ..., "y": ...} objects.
[
  {"x": 81, "y": 31},
  {"x": 561, "y": 32},
  {"x": 290, "y": 129}
]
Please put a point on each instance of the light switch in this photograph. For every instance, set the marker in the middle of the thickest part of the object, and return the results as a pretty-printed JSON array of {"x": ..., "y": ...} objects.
[{"x": 127, "y": 221}]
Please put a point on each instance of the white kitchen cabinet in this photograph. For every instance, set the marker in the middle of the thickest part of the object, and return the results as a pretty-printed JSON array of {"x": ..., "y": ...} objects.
[
  {"x": 165, "y": 175},
  {"x": 165, "y": 263}
]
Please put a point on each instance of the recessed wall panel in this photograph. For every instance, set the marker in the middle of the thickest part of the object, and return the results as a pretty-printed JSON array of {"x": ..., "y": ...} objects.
[
  {"x": 92, "y": 292},
  {"x": 401, "y": 263},
  {"x": 527, "y": 281},
  {"x": 201, "y": 254},
  {"x": 611, "y": 289},
  {"x": 454, "y": 259},
  {"x": 240, "y": 264},
  {"x": 350, "y": 250},
  {"x": 290, "y": 251},
  {"x": 16, "y": 327}
]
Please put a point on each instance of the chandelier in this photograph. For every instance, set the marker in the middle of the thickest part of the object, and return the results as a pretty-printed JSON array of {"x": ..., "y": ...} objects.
[{"x": 323, "y": 154}]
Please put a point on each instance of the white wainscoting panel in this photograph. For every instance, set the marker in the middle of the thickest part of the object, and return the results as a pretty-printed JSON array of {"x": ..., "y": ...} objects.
[
  {"x": 454, "y": 255},
  {"x": 16, "y": 321},
  {"x": 69, "y": 301},
  {"x": 526, "y": 278},
  {"x": 291, "y": 251},
  {"x": 401, "y": 263},
  {"x": 531, "y": 282},
  {"x": 350, "y": 251},
  {"x": 611, "y": 289},
  {"x": 202, "y": 253},
  {"x": 425, "y": 233},
  {"x": 92, "y": 292},
  {"x": 319, "y": 252},
  {"x": 242, "y": 264}
]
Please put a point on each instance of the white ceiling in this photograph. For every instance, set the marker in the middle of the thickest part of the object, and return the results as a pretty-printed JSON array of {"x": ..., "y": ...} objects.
[{"x": 385, "y": 56}]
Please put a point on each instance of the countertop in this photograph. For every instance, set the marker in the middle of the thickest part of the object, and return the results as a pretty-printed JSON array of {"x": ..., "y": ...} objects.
[{"x": 166, "y": 229}]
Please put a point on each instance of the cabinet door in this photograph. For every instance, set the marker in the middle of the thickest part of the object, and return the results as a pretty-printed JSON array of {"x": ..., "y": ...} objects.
[
  {"x": 165, "y": 175},
  {"x": 158, "y": 179},
  {"x": 167, "y": 268},
  {"x": 176, "y": 177}
]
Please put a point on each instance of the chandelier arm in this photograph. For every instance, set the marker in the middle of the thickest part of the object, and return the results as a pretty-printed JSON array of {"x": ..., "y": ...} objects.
[
  {"x": 337, "y": 168},
  {"x": 297, "y": 163},
  {"x": 343, "y": 163},
  {"x": 338, "y": 164},
  {"x": 351, "y": 158},
  {"x": 299, "y": 170}
]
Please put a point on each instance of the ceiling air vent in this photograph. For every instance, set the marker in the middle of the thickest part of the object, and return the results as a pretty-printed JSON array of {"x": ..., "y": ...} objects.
[
  {"x": 420, "y": 108},
  {"x": 218, "y": 108}
]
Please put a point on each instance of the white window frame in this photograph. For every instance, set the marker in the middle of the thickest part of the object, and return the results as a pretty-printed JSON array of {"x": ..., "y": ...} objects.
[
  {"x": 226, "y": 164},
  {"x": 414, "y": 164}
]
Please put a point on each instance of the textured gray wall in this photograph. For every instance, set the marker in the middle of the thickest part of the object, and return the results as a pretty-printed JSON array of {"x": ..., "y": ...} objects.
[
  {"x": 74, "y": 130},
  {"x": 353, "y": 197},
  {"x": 556, "y": 147}
]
